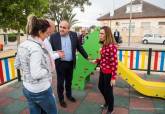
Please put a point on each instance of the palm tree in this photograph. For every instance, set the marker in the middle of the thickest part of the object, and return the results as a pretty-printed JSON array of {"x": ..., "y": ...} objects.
[{"x": 70, "y": 17}]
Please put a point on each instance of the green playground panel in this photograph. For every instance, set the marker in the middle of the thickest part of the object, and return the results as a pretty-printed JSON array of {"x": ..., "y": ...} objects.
[{"x": 84, "y": 68}]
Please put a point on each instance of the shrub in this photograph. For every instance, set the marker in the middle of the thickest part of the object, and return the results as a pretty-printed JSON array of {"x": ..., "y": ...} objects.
[{"x": 12, "y": 37}]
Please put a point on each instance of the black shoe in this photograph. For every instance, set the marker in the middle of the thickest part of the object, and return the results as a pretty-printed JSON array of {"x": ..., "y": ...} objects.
[
  {"x": 109, "y": 112},
  {"x": 104, "y": 106},
  {"x": 63, "y": 104},
  {"x": 72, "y": 99}
]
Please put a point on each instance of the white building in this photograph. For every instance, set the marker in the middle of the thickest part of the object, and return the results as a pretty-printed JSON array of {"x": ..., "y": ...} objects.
[{"x": 146, "y": 18}]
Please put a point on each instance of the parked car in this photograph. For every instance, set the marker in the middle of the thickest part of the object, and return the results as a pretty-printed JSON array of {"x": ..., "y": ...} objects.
[{"x": 153, "y": 38}]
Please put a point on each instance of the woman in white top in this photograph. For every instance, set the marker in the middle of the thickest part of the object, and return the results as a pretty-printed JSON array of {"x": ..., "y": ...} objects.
[{"x": 36, "y": 65}]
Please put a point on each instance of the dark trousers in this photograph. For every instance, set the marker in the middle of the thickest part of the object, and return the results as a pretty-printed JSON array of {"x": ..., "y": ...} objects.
[
  {"x": 106, "y": 90},
  {"x": 64, "y": 71},
  {"x": 117, "y": 38}
]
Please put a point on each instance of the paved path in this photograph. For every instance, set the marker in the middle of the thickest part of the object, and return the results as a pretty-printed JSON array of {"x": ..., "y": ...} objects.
[
  {"x": 127, "y": 100},
  {"x": 143, "y": 46},
  {"x": 7, "y": 53}
]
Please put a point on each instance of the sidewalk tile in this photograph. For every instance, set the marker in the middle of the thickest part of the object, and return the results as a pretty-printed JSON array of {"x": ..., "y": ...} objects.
[
  {"x": 62, "y": 112},
  {"x": 4, "y": 101},
  {"x": 142, "y": 104},
  {"x": 140, "y": 112},
  {"x": 6, "y": 90},
  {"x": 121, "y": 91},
  {"x": 25, "y": 111},
  {"x": 16, "y": 107},
  {"x": 17, "y": 85},
  {"x": 121, "y": 83},
  {"x": 121, "y": 101},
  {"x": 120, "y": 110},
  {"x": 16, "y": 94},
  {"x": 134, "y": 94},
  {"x": 22, "y": 98},
  {"x": 159, "y": 105},
  {"x": 88, "y": 108},
  {"x": 80, "y": 95},
  {"x": 94, "y": 97},
  {"x": 71, "y": 107}
]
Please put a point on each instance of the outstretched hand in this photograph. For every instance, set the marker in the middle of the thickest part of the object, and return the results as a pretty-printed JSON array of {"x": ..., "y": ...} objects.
[
  {"x": 92, "y": 61},
  {"x": 89, "y": 58},
  {"x": 61, "y": 53}
]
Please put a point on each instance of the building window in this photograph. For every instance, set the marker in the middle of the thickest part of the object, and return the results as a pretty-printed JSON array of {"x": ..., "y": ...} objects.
[
  {"x": 146, "y": 25},
  {"x": 125, "y": 27},
  {"x": 132, "y": 27},
  {"x": 161, "y": 23},
  {"x": 135, "y": 8}
]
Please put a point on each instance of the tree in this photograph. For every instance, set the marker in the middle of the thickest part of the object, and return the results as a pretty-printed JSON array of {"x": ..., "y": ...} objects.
[
  {"x": 13, "y": 13},
  {"x": 70, "y": 18},
  {"x": 59, "y": 8}
]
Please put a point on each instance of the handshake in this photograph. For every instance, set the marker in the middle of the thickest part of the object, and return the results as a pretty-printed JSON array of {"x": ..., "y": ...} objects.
[
  {"x": 93, "y": 61},
  {"x": 62, "y": 55}
]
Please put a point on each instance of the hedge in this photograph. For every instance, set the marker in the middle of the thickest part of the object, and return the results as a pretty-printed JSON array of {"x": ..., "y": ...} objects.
[{"x": 12, "y": 37}]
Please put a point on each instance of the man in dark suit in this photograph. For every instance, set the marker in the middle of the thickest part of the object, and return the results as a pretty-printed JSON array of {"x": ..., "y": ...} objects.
[
  {"x": 117, "y": 36},
  {"x": 66, "y": 41},
  {"x": 82, "y": 36}
]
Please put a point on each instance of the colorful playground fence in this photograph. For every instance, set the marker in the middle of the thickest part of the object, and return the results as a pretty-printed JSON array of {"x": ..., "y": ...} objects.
[
  {"x": 135, "y": 59},
  {"x": 7, "y": 70},
  {"x": 142, "y": 59}
]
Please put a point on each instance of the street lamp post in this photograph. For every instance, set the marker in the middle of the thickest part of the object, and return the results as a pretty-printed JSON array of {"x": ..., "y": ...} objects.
[{"x": 130, "y": 18}]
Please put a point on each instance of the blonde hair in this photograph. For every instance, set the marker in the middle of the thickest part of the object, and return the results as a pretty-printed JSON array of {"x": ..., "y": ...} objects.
[
  {"x": 34, "y": 25},
  {"x": 29, "y": 23}
]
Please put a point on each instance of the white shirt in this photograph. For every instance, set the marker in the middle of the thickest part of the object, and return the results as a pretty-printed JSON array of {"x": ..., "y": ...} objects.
[
  {"x": 54, "y": 55},
  {"x": 66, "y": 47}
]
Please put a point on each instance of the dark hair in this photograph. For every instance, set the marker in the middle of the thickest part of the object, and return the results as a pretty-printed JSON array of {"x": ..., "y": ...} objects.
[
  {"x": 109, "y": 39},
  {"x": 36, "y": 25}
]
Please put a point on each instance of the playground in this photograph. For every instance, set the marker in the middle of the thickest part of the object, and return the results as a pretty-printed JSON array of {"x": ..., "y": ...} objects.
[{"x": 139, "y": 90}]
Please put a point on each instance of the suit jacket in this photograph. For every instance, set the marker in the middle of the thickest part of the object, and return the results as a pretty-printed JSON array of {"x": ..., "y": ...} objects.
[
  {"x": 55, "y": 41},
  {"x": 81, "y": 39},
  {"x": 118, "y": 34}
]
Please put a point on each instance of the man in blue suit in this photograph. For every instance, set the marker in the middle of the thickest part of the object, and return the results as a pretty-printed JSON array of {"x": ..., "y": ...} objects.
[{"x": 66, "y": 41}]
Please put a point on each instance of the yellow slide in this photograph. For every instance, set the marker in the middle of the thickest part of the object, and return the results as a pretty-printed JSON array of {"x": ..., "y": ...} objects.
[{"x": 148, "y": 88}]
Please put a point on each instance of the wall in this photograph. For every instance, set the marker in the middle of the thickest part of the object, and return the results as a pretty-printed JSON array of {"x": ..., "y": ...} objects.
[{"x": 139, "y": 30}]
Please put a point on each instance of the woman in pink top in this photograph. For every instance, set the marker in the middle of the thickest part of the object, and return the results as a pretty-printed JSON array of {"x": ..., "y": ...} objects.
[{"x": 108, "y": 67}]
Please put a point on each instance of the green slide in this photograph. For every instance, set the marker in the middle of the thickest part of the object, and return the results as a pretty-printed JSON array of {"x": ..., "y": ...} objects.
[{"x": 83, "y": 68}]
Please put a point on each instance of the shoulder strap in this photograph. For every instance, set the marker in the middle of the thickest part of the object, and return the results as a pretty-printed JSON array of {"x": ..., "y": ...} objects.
[{"x": 44, "y": 50}]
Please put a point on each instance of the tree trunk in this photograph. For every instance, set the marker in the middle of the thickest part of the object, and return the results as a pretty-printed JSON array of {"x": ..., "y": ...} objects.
[
  {"x": 58, "y": 26},
  {"x": 18, "y": 38}
]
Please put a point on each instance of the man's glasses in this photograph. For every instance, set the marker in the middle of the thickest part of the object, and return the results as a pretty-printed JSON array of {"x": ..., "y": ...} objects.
[{"x": 63, "y": 27}]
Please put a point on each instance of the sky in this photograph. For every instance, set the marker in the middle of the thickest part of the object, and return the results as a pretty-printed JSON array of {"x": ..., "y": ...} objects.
[{"x": 102, "y": 7}]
